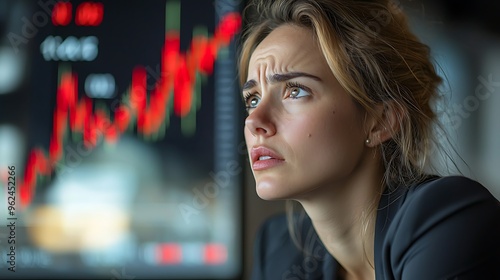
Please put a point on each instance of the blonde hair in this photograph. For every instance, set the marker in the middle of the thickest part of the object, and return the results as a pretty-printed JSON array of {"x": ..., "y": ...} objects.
[{"x": 372, "y": 52}]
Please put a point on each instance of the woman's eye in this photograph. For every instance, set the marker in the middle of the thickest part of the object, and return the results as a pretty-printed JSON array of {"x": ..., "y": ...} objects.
[
  {"x": 297, "y": 92},
  {"x": 252, "y": 101}
]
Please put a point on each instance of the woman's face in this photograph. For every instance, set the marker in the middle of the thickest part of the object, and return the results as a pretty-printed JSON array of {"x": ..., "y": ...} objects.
[{"x": 303, "y": 131}]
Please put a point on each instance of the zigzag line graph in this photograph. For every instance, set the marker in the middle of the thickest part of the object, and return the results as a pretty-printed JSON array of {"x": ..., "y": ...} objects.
[{"x": 146, "y": 113}]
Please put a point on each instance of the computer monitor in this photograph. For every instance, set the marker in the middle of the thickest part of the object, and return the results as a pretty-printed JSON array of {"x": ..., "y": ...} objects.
[{"x": 122, "y": 149}]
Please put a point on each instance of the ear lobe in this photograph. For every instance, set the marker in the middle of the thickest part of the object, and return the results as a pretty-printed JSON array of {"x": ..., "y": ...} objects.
[{"x": 387, "y": 123}]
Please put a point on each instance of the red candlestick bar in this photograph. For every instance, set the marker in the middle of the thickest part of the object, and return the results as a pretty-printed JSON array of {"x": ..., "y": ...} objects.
[{"x": 178, "y": 74}]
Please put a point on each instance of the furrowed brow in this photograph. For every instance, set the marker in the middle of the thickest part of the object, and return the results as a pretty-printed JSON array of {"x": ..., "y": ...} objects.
[
  {"x": 276, "y": 78},
  {"x": 249, "y": 84}
]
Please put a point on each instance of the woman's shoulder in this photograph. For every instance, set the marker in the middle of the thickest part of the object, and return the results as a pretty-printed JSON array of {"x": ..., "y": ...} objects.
[
  {"x": 452, "y": 186},
  {"x": 453, "y": 221},
  {"x": 447, "y": 191},
  {"x": 444, "y": 199},
  {"x": 436, "y": 199},
  {"x": 451, "y": 195}
]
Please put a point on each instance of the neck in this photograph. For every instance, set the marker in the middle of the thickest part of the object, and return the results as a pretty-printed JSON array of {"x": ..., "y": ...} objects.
[{"x": 344, "y": 218}]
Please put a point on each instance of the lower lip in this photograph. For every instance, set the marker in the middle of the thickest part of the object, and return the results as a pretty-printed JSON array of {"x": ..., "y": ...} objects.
[{"x": 265, "y": 164}]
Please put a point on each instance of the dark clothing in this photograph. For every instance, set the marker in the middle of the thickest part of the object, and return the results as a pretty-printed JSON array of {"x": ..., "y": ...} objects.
[{"x": 443, "y": 228}]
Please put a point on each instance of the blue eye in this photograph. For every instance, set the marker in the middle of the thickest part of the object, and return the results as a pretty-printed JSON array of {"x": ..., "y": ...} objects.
[
  {"x": 296, "y": 91},
  {"x": 251, "y": 100}
]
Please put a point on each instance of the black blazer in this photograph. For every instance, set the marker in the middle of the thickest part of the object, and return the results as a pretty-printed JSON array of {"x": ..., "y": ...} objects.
[{"x": 444, "y": 228}]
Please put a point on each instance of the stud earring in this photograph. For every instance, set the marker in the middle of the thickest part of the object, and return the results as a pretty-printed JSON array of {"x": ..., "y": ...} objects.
[{"x": 367, "y": 141}]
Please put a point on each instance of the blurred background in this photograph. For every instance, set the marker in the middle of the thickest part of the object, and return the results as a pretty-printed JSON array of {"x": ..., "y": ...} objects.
[{"x": 123, "y": 121}]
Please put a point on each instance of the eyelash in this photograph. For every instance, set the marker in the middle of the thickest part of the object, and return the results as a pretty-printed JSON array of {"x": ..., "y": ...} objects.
[
  {"x": 290, "y": 85},
  {"x": 247, "y": 95}
]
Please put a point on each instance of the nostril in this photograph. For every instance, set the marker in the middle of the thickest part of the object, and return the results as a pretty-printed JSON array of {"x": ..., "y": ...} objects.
[
  {"x": 258, "y": 126},
  {"x": 261, "y": 130}
]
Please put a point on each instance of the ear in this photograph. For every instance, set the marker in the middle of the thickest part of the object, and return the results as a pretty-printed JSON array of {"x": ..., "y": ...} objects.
[{"x": 385, "y": 124}]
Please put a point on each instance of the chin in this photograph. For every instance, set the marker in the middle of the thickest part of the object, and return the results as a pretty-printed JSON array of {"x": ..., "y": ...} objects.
[
  {"x": 269, "y": 196},
  {"x": 269, "y": 191}
]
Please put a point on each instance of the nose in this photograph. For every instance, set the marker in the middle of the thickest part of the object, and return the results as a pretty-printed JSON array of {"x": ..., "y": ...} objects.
[{"x": 260, "y": 121}]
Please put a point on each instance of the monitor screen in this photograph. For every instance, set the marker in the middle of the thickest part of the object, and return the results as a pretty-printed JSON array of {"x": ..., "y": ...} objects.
[{"x": 120, "y": 146}]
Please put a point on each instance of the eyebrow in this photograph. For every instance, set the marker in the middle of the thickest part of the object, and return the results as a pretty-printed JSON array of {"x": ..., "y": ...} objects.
[{"x": 280, "y": 78}]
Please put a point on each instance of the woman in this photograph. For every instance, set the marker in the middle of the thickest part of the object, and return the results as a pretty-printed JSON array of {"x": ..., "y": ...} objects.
[{"x": 339, "y": 99}]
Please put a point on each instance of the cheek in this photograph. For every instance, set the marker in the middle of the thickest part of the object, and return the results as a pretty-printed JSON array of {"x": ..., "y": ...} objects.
[
  {"x": 307, "y": 136},
  {"x": 324, "y": 136}
]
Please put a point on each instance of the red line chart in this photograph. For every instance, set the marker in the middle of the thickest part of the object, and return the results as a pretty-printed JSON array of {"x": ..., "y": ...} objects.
[{"x": 140, "y": 109}]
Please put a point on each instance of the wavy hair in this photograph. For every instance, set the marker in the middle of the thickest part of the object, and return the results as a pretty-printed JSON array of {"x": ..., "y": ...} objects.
[{"x": 376, "y": 58}]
